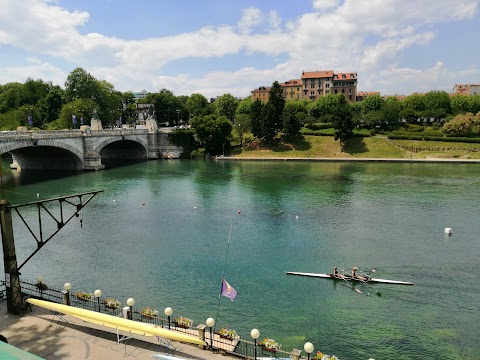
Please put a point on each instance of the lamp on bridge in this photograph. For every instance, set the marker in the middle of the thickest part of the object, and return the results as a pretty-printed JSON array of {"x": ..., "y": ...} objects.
[
  {"x": 66, "y": 293},
  {"x": 308, "y": 347},
  {"x": 178, "y": 116},
  {"x": 131, "y": 302},
  {"x": 255, "y": 334},
  {"x": 97, "y": 293},
  {"x": 168, "y": 312},
  {"x": 211, "y": 323}
]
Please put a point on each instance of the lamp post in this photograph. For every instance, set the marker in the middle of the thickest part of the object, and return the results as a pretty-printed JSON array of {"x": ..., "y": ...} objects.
[
  {"x": 66, "y": 293},
  {"x": 211, "y": 323},
  {"x": 97, "y": 293},
  {"x": 131, "y": 302},
  {"x": 255, "y": 334},
  {"x": 178, "y": 116},
  {"x": 40, "y": 285},
  {"x": 308, "y": 347},
  {"x": 168, "y": 312}
]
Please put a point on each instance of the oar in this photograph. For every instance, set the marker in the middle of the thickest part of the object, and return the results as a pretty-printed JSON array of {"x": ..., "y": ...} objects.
[{"x": 367, "y": 284}]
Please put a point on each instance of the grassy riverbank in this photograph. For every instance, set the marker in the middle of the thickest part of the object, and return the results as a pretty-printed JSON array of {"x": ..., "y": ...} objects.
[{"x": 362, "y": 147}]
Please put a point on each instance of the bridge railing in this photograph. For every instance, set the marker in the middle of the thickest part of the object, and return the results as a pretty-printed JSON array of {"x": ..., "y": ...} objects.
[{"x": 68, "y": 133}]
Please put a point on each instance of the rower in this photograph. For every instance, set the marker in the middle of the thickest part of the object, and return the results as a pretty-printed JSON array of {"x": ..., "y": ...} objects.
[
  {"x": 335, "y": 272},
  {"x": 354, "y": 271}
]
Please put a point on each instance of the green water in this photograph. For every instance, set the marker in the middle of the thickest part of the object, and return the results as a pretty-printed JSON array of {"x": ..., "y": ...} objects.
[{"x": 285, "y": 216}]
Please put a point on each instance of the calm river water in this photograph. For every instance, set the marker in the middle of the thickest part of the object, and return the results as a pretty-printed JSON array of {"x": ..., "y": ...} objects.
[{"x": 159, "y": 234}]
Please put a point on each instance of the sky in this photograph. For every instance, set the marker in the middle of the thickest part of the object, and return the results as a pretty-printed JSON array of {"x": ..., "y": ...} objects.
[{"x": 213, "y": 47}]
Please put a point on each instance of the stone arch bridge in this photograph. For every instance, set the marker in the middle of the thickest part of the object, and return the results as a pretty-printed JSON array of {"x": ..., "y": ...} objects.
[{"x": 84, "y": 150}]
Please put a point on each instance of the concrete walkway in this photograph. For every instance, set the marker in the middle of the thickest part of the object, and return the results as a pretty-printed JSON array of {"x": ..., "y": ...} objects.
[{"x": 43, "y": 334}]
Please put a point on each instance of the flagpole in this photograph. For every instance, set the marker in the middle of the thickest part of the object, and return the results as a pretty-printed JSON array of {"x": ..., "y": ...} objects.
[{"x": 224, "y": 267}]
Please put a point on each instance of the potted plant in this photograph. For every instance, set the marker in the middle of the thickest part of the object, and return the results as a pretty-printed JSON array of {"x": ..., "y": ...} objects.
[
  {"x": 111, "y": 303},
  {"x": 183, "y": 322},
  {"x": 149, "y": 313},
  {"x": 227, "y": 333},
  {"x": 83, "y": 295},
  {"x": 328, "y": 357},
  {"x": 270, "y": 345}
]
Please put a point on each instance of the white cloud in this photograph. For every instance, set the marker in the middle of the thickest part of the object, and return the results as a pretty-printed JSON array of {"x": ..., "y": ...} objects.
[
  {"x": 325, "y": 4},
  {"x": 354, "y": 35},
  {"x": 250, "y": 18}
]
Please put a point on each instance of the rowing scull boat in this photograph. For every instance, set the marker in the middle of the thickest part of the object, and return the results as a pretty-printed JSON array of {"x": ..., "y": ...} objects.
[{"x": 364, "y": 279}]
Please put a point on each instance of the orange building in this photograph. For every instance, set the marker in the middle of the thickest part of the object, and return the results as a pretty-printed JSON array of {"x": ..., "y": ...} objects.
[
  {"x": 346, "y": 84},
  {"x": 292, "y": 89},
  {"x": 363, "y": 94},
  {"x": 467, "y": 89},
  {"x": 262, "y": 94},
  {"x": 316, "y": 83}
]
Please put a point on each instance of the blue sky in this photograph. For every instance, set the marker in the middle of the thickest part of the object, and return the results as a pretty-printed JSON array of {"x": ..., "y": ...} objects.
[{"x": 225, "y": 46}]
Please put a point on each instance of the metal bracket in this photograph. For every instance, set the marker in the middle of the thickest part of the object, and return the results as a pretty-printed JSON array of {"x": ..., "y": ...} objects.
[{"x": 78, "y": 201}]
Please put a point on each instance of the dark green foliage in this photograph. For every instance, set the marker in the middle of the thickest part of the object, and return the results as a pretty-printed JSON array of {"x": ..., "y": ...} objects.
[
  {"x": 319, "y": 126},
  {"x": 212, "y": 133},
  {"x": 183, "y": 138},
  {"x": 268, "y": 128},
  {"x": 277, "y": 102},
  {"x": 342, "y": 120},
  {"x": 256, "y": 118},
  {"x": 291, "y": 124}
]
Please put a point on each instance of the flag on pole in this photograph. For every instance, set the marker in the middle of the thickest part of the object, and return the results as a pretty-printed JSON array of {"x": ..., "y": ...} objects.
[{"x": 227, "y": 290}]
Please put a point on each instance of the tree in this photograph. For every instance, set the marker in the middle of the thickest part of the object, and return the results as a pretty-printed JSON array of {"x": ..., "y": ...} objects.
[
  {"x": 416, "y": 102},
  {"x": 256, "y": 118},
  {"x": 463, "y": 125},
  {"x": 166, "y": 106},
  {"x": 323, "y": 106},
  {"x": 438, "y": 102},
  {"x": 269, "y": 120},
  {"x": 81, "y": 85},
  {"x": 197, "y": 104},
  {"x": 372, "y": 103},
  {"x": 391, "y": 111},
  {"x": 212, "y": 132},
  {"x": 242, "y": 125},
  {"x": 226, "y": 105},
  {"x": 459, "y": 104},
  {"x": 78, "y": 108},
  {"x": 244, "y": 106},
  {"x": 291, "y": 124},
  {"x": 50, "y": 106},
  {"x": 342, "y": 120},
  {"x": 277, "y": 101}
]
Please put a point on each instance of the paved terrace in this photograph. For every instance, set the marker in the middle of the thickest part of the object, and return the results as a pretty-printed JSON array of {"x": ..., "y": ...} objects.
[{"x": 43, "y": 334}]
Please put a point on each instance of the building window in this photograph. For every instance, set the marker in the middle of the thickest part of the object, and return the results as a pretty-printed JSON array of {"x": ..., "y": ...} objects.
[
  {"x": 343, "y": 91},
  {"x": 336, "y": 91},
  {"x": 327, "y": 85},
  {"x": 344, "y": 76},
  {"x": 350, "y": 97},
  {"x": 327, "y": 92}
]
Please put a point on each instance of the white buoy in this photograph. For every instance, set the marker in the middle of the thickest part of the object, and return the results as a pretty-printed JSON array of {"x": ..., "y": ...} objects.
[
  {"x": 195, "y": 208},
  {"x": 113, "y": 200},
  {"x": 296, "y": 217},
  {"x": 448, "y": 231}
]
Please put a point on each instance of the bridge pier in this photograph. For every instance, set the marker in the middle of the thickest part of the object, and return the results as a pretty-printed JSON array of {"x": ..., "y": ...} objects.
[{"x": 92, "y": 161}]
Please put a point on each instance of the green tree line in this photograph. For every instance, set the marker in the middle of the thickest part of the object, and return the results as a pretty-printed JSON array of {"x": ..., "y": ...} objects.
[{"x": 215, "y": 124}]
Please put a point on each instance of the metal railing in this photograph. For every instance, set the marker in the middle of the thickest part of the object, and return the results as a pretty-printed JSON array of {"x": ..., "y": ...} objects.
[{"x": 238, "y": 347}]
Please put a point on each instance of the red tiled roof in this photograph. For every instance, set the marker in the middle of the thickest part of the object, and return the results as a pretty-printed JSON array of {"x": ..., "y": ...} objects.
[
  {"x": 261, "y": 89},
  {"x": 348, "y": 76},
  {"x": 317, "y": 74},
  {"x": 294, "y": 82}
]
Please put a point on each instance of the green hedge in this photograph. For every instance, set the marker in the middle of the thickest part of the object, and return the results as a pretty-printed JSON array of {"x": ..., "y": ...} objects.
[
  {"x": 434, "y": 138},
  {"x": 318, "y": 126}
]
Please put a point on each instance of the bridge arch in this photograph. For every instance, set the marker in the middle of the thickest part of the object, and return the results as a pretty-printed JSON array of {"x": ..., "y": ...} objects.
[
  {"x": 38, "y": 154},
  {"x": 110, "y": 140}
]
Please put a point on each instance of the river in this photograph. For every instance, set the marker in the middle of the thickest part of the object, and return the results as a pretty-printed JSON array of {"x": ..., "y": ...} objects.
[{"x": 160, "y": 231}]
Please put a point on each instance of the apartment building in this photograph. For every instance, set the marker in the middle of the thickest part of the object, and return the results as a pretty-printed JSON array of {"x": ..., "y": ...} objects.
[
  {"x": 262, "y": 94},
  {"x": 314, "y": 84},
  {"x": 292, "y": 89},
  {"x": 346, "y": 84},
  {"x": 467, "y": 89},
  {"x": 363, "y": 94}
]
